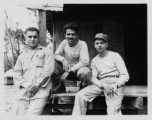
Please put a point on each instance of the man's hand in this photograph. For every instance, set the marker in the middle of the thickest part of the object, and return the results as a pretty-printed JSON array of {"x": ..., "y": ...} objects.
[
  {"x": 114, "y": 87},
  {"x": 110, "y": 92},
  {"x": 32, "y": 88},
  {"x": 106, "y": 87},
  {"x": 66, "y": 65}
]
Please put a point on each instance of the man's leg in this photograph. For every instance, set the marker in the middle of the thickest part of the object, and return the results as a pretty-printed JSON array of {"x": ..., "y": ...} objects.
[
  {"x": 114, "y": 103},
  {"x": 84, "y": 75},
  {"x": 21, "y": 107},
  {"x": 36, "y": 106},
  {"x": 83, "y": 97},
  {"x": 57, "y": 84}
]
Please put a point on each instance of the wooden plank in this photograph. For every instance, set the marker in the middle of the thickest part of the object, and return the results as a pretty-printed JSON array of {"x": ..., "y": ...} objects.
[
  {"x": 70, "y": 106},
  {"x": 134, "y": 94},
  {"x": 72, "y": 89},
  {"x": 130, "y": 91},
  {"x": 63, "y": 94},
  {"x": 61, "y": 106},
  {"x": 42, "y": 27},
  {"x": 135, "y": 90}
]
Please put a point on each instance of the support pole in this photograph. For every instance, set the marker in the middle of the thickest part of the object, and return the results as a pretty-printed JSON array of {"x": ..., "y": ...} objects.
[{"x": 42, "y": 27}]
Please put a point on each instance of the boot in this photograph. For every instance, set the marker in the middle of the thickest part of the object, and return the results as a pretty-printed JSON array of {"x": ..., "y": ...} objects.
[{"x": 60, "y": 88}]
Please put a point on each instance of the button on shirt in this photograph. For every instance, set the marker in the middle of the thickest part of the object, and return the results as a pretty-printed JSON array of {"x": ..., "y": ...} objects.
[{"x": 32, "y": 67}]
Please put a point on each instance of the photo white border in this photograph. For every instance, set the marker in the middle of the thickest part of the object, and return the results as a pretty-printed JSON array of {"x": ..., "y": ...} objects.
[{"x": 149, "y": 37}]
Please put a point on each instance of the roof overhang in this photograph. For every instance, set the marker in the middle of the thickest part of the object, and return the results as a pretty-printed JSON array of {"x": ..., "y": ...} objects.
[{"x": 51, "y": 7}]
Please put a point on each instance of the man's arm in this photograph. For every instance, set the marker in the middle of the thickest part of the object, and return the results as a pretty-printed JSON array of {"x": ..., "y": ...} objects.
[
  {"x": 124, "y": 76},
  {"x": 84, "y": 58},
  {"x": 59, "y": 52},
  {"x": 94, "y": 79},
  {"x": 19, "y": 80},
  {"x": 48, "y": 69}
]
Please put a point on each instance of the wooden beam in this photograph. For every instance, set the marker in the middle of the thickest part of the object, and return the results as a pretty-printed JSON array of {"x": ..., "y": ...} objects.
[{"x": 42, "y": 27}]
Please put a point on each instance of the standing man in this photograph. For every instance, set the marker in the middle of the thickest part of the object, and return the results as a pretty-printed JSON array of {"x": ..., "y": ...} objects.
[
  {"x": 72, "y": 58},
  {"x": 32, "y": 75},
  {"x": 109, "y": 75}
]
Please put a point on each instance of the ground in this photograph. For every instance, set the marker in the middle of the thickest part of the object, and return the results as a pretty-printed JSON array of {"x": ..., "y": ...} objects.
[{"x": 9, "y": 99}]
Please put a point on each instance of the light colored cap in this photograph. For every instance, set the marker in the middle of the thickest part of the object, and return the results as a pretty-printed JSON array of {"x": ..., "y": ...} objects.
[{"x": 101, "y": 36}]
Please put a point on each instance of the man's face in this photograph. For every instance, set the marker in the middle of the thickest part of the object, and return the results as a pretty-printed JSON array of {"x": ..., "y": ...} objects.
[
  {"x": 100, "y": 45},
  {"x": 71, "y": 36},
  {"x": 31, "y": 39}
]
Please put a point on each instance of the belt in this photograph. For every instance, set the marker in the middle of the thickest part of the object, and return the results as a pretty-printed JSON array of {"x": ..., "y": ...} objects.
[{"x": 115, "y": 76}]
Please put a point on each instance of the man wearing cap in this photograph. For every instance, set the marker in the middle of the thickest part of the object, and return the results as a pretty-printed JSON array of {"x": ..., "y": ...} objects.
[
  {"x": 109, "y": 75},
  {"x": 72, "y": 59}
]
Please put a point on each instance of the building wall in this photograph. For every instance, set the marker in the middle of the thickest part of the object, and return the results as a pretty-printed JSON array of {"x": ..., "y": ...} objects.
[{"x": 87, "y": 31}]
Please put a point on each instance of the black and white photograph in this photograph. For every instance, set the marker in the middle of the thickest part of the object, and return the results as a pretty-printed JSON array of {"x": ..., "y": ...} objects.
[{"x": 75, "y": 59}]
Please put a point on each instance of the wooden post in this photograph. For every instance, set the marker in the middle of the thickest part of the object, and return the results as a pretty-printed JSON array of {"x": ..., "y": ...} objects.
[
  {"x": 42, "y": 27},
  {"x": 138, "y": 102}
]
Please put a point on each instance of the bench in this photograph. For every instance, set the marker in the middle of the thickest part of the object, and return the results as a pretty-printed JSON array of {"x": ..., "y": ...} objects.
[{"x": 135, "y": 97}]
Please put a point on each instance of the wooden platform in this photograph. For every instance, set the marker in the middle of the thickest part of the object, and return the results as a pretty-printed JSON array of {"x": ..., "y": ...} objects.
[
  {"x": 130, "y": 91},
  {"x": 134, "y": 98}
]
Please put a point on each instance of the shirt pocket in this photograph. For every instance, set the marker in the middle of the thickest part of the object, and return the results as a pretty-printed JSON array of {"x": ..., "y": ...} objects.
[{"x": 40, "y": 61}]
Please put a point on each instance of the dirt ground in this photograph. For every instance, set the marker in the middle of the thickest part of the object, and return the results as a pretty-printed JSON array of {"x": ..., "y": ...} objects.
[{"x": 9, "y": 99}]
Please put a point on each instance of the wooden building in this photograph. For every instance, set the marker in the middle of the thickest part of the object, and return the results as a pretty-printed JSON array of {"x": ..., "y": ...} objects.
[{"x": 125, "y": 24}]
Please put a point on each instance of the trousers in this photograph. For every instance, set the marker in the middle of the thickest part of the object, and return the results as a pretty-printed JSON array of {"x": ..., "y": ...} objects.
[
  {"x": 83, "y": 74},
  {"x": 88, "y": 93},
  {"x": 29, "y": 107}
]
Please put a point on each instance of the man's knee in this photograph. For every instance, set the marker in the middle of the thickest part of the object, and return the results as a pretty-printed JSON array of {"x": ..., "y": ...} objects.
[
  {"x": 79, "y": 95},
  {"x": 84, "y": 73},
  {"x": 58, "y": 68}
]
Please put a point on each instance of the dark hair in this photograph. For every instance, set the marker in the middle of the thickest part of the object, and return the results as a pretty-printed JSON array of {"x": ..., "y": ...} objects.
[
  {"x": 72, "y": 26},
  {"x": 32, "y": 29}
]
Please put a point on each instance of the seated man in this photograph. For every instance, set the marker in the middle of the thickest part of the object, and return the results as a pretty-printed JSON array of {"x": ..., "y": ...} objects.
[
  {"x": 109, "y": 75},
  {"x": 32, "y": 73},
  {"x": 72, "y": 59}
]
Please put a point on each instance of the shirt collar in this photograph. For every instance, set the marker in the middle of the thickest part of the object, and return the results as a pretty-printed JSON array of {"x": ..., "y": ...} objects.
[{"x": 38, "y": 47}]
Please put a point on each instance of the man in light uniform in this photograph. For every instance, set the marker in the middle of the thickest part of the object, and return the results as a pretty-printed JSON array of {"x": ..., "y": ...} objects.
[
  {"x": 32, "y": 75},
  {"x": 109, "y": 75}
]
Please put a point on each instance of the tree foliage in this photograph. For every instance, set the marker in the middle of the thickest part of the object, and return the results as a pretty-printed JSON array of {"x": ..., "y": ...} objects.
[{"x": 14, "y": 40}]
